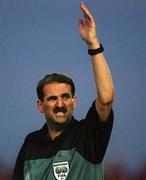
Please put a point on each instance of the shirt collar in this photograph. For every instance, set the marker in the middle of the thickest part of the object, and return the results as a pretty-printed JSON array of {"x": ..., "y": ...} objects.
[{"x": 62, "y": 136}]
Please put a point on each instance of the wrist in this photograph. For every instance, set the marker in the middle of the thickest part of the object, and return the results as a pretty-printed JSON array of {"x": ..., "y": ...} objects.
[
  {"x": 96, "y": 51},
  {"x": 94, "y": 44}
]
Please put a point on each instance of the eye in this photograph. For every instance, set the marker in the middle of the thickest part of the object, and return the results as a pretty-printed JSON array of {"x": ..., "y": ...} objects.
[
  {"x": 52, "y": 98},
  {"x": 66, "y": 97}
]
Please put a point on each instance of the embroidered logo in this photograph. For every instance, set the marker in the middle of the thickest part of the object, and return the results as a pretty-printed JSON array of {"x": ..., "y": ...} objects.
[{"x": 61, "y": 170}]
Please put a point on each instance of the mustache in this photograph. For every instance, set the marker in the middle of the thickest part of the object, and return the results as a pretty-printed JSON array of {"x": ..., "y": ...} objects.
[{"x": 60, "y": 109}]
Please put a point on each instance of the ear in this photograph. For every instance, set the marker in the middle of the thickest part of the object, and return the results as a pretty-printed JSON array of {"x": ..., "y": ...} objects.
[
  {"x": 40, "y": 106},
  {"x": 74, "y": 99}
]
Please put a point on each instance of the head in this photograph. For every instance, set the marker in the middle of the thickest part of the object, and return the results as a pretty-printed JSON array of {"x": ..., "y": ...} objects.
[
  {"x": 54, "y": 78},
  {"x": 56, "y": 99}
]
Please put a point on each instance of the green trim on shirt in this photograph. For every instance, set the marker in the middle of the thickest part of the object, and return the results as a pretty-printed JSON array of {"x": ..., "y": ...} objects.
[{"x": 78, "y": 167}]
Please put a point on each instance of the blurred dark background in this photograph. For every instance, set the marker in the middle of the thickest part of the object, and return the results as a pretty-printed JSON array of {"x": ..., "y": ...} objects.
[{"x": 113, "y": 171}]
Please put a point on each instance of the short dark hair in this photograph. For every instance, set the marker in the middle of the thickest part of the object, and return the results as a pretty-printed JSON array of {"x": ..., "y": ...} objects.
[{"x": 51, "y": 78}]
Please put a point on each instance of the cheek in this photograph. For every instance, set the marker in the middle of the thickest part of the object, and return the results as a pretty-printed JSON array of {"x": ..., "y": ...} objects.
[
  {"x": 73, "y": 104},
  {"x": 47, "y": 108},
  {"x": 70, "y": 106}
]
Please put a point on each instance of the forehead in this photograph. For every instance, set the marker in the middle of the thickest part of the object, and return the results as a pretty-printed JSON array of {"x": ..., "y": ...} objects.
[{"x": 56, "y": 89}]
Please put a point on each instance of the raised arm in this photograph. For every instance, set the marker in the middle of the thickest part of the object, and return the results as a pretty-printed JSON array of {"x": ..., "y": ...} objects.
[{"x": 103, "y": 79}]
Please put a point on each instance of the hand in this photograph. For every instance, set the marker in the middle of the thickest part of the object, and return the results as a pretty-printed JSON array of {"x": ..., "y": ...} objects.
[{"x": 87, "y": 28}]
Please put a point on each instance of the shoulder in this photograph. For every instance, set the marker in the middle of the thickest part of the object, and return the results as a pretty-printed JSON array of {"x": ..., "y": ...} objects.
[
  {"x": 95, "y": 116},
  {"x": 36, "y": 134}
]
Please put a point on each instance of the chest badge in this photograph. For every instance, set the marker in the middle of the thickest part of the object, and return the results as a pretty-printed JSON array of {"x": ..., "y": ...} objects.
[{"x": 61, "y": 170}]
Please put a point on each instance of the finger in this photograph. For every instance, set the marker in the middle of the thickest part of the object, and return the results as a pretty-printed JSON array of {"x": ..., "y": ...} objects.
[
  {"x": 81, "y": 23},
  {"x": 86, "y": 12}
]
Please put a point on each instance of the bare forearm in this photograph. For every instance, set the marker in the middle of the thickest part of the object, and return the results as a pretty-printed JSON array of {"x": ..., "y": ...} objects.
[{"x": 102, "y": 75}]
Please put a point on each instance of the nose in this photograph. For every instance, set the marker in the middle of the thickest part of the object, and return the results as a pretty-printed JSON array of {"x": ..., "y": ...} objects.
[{"x": 59, "y": 102}]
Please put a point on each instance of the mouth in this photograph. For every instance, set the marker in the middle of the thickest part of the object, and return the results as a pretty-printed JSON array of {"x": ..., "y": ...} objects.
[{"x": 60, "y": 113}]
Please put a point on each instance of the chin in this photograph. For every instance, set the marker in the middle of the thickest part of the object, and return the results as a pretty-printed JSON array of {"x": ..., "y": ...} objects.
[
  {"x": 62, "y": 121},
  {"x": 60, "y": 124}
]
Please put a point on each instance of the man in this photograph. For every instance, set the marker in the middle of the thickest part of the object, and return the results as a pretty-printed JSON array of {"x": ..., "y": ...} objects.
[{"x": 66, "y": 148}]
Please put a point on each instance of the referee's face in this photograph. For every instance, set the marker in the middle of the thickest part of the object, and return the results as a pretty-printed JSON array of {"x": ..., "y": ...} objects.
[{"x": 58, "y": 103}]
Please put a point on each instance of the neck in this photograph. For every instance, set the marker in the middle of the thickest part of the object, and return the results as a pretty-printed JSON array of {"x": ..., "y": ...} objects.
[
  {"x": 53, "y": 133},
  {"x": 55, "y": 129}
]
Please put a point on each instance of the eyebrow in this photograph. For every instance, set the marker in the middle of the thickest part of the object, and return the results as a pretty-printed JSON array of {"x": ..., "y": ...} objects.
[{"x": 66, "y": 95}]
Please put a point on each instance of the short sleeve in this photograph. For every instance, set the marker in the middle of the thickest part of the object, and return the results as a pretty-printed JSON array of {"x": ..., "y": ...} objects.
[{"x": 94, "y": 135}]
